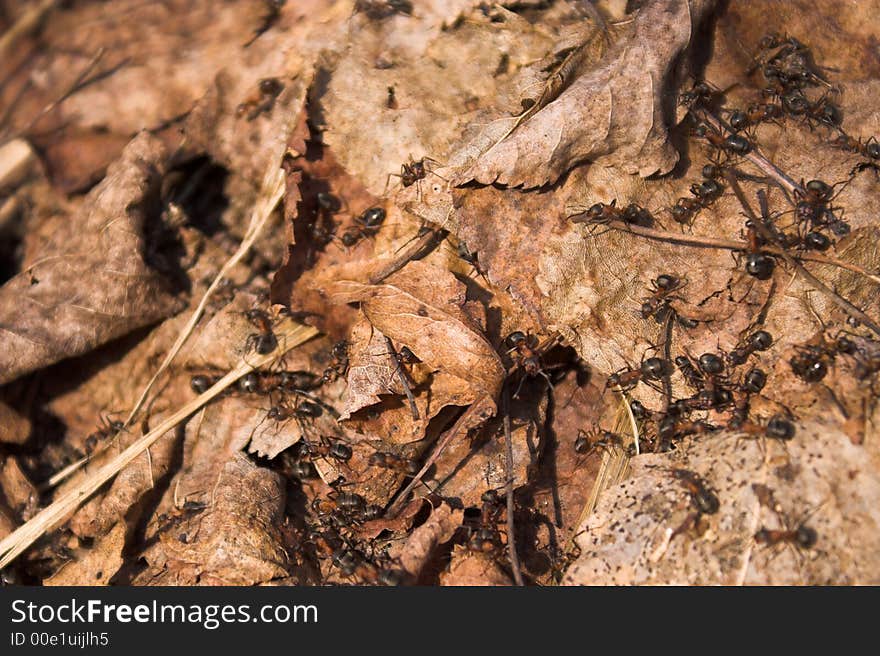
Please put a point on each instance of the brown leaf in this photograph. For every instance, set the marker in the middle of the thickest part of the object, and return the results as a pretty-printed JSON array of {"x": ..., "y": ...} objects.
[
  {"x": 422, "y": 307},
  {"x": 420, "y": 544},
  {"x": 612, "y": 114},
  {"x": 94, "y": 566},
  {"x": 15, "y": 428},
  {"x": 470, "y": 569},
  {"x": 235, "y": 540},
  {"x": 835, "y": 496},
  {"x": 90, "y": 283}
]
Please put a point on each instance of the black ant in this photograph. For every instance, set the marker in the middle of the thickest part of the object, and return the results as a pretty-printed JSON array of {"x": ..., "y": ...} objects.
[
  {"x": 382, "y": 9},
  {"x": 326, "y": 449},
  {"x": 261, "y": 101},
  {"x": 778, "y": 428},
  {"x": 651, "y": 369},
  {"x": 602, "y": 213},
  {"x": 759, "y": 340},
  {"x": 525, "y": 346},
  {"x": 391, "y": 100},
  {"x": 487, "y": 538},
  {"x": 411, "y": 172},
  {"x": 265, "y": 341},
  {"x": 812, "y": 211},
  {"x": 758, "y": 265},
  {"x": 339, "y": 367},
  {"x": 704, "y": 500},
  {"x": 404, "y": 357},
  {"x": 107, "y": 429},
  {"x": 394, "y": 462},
  {"x": 734, "y": 143},
  {"x": 589, "y": 441},
  {"x": 803, "y": 536},
  {"x": 471, "y": 258},
  {"x": 366, "y": 225},
  {"x": 689, "y": 372},
  {"x": 752, "y": 383},
  {"x": 657, "y": 304},
  {"x": 303, "y": 409},
  {"x": 756, "y": 114},
  {"x": 671, "y": 428},
  {"x": 265, "y": 382}
]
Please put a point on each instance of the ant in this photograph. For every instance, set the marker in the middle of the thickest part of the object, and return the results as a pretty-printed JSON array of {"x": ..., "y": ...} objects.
[
  {"x": 411, "y": 172},
  {"x": 758, "y": 265},
  {"x": 759, "y": 340},
  {"x": 812, "y": 211},
  {"x": 200, "y": 383},
  {"x": 366, "y": 225},
  {"x": 734, "y": 143},
  {"x": 657, "y": 304},
  {"x": 689, "y": 372},
  {"x": 651, "y": 369},
  {"x": 303, "y": 409},
  {"x": 394, "y": 462},
  {"x": 755, "y": 115},
  {"x": 471, "y": 258},
  {"x": 671, "y": 428},
  {"x": 704, "y": 500},
  {"x": 587, "y": 442},
  {"x": 326, "y": 449},
  {"x": 284, "y": 381},
  {"x": 487, "y": 538},
  {"x": 705, "y": 193},
  {"x": 403, "y": 357},
  {"x": 382, "y": 9},
  {"x": 265, "y": 341},
  {"x": 391, "y": 100},
  {"x": 810, "y": 362},
  {"x": 528, "y": 356},
  {"x": 753, "y": 382},
  {"x": 107, "y": 429},
  {"x": 339, "y": 367},
  {"x": 778, "y": 428},
  {"x": 602, "y": 213},
  {"x": 869, "y": 149},
  {"x": 262, "y": 100}
]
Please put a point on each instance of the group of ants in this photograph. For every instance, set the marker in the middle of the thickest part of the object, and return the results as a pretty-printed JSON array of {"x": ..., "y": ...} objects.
[{"x": 722, "y": 384}]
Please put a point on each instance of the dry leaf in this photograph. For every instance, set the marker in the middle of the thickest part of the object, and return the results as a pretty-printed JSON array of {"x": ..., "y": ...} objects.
[
  {"x": 97, "y": 565},
  {"x": 471, "y": 569},
  {"x": 233, "y": 540},
  {"x": 91, "y": 282},
  {"x": 423, "y": 308},
  {"x": 612, "y": 114}
]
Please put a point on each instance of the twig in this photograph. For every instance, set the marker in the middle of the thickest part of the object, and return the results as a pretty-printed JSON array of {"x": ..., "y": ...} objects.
[
  {"x": 732, "y": 245},
  {"x": 428, "y": 240},
  {"x": 465, "y": 420},
  {"x": 26, "y": 23},
  {"x": 25, "y": 535},
  {"x": 767, "y": 235},
  {"x": 754, "y": 156},
  {"x": 511, "y": 535},
  {"x": 271, "y": 192}
]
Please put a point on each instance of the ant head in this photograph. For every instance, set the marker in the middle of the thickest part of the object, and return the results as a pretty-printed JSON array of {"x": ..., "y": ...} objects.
[{"x": 515, "y": 338}]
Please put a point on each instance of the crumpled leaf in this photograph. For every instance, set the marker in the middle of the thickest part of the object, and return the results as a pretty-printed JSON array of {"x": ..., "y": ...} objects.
[
  {"x": 233, "y": 540},
  {"x": 96, "y": 565},
  {"x": 471, "y": 569},
  {"x": 90, "y": 282},
  {"x": 422, "y": 307},
  {"x": 832, "y": 495},
  {"x": 420, "y": 544},
  {"x": 613, "y": 114}
]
